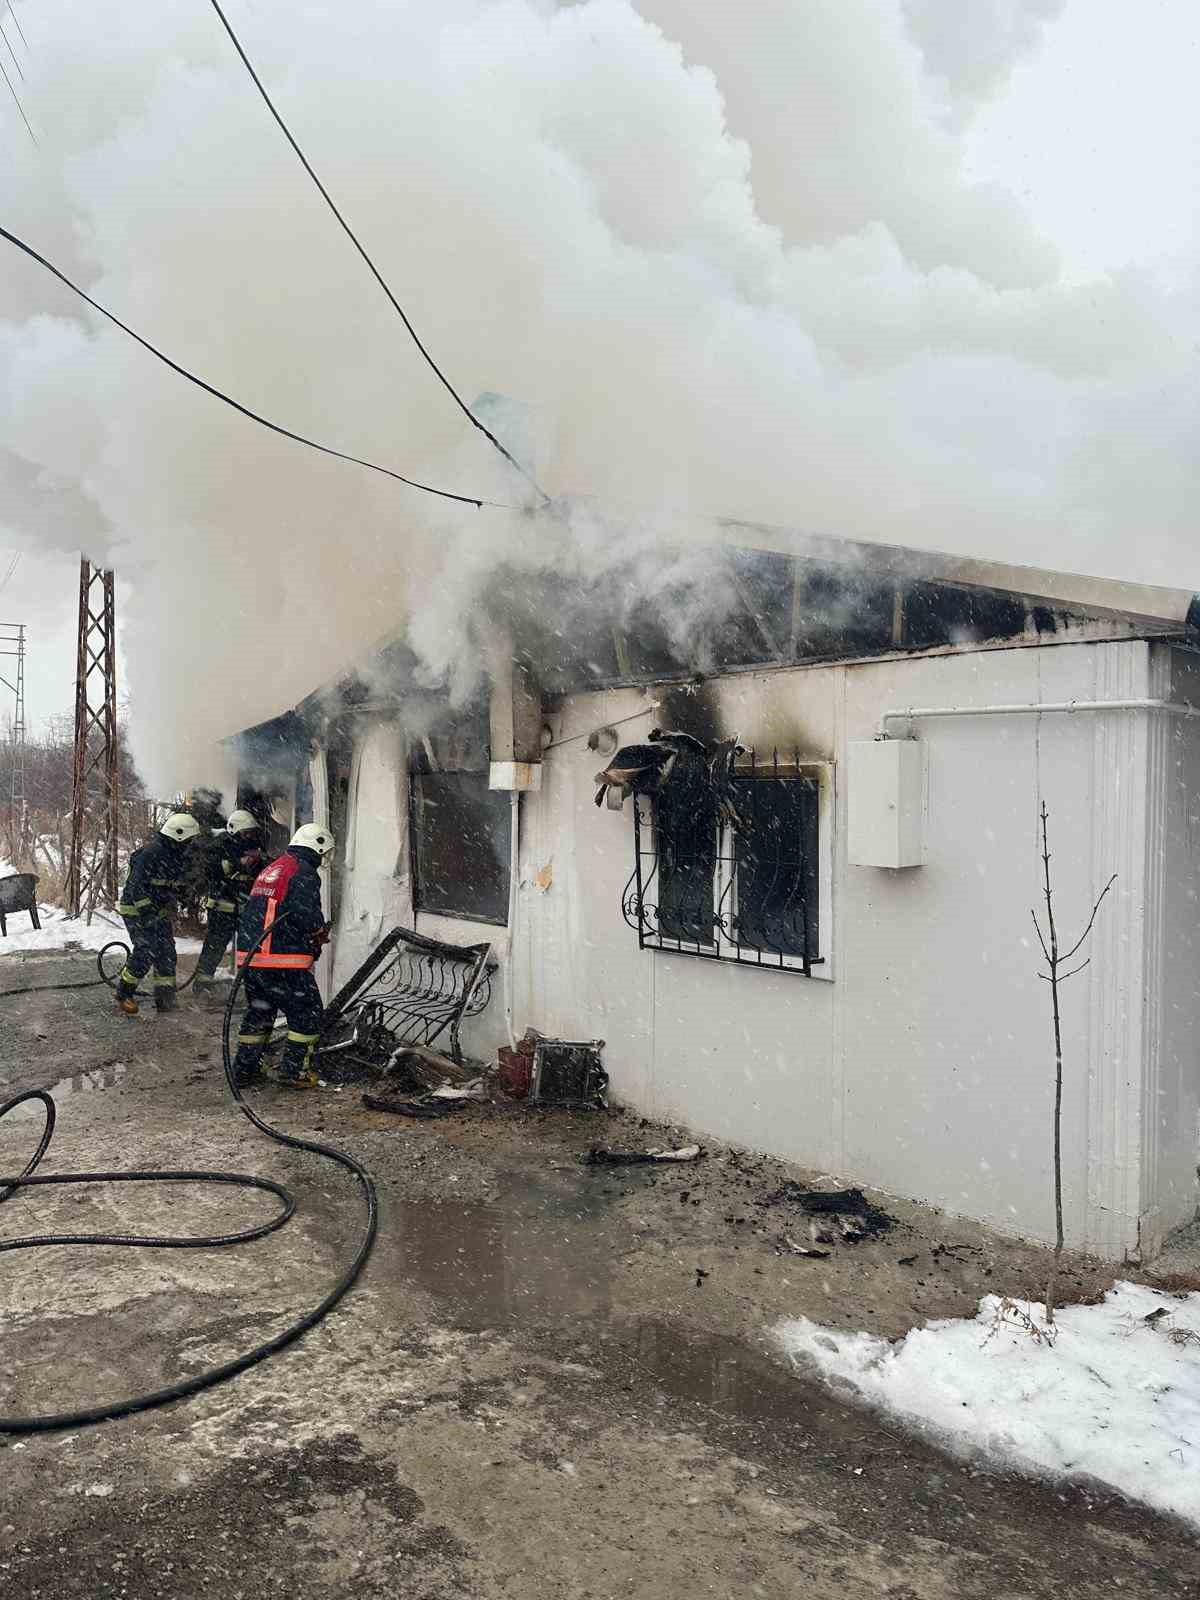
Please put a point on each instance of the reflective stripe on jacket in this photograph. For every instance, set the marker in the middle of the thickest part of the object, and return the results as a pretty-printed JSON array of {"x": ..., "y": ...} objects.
[{"x": 156, "y": 876}]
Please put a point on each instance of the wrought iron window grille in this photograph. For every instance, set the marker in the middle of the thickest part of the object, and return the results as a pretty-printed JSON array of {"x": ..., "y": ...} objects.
[
  {"x": 409, "y": 990},
  {"x": 732, "y": 876}
]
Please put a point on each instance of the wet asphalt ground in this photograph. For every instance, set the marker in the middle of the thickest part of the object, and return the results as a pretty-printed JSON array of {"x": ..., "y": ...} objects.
[{"x": 552, "y": 1380}]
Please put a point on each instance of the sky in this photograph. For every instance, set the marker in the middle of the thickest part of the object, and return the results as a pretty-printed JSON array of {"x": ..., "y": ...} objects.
[
  {"x": 1084, "y": 109},
  {"x": 1099, "y": 133}
]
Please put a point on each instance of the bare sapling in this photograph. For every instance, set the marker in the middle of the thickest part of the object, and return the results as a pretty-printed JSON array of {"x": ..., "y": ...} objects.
[{"x": 1058, "y": 971}]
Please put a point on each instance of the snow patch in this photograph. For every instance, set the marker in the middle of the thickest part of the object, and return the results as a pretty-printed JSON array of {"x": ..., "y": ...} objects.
[
  {"x": 1113, "y": 1397},
  {"x": 60, "y": 932}
]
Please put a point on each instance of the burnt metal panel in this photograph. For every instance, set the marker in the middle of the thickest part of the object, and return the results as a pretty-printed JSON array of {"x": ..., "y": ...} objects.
[{"x": 938, "y": 613}]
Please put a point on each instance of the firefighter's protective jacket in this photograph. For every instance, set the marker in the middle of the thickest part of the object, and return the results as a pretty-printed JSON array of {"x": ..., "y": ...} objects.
[
  {"x": 228, "y": 881},
  {"x": 285, "y": 904},
  {"x": 157, "y": 873}
]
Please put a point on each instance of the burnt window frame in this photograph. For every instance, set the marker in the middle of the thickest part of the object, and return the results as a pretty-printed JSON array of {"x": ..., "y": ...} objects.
[
  {"x": 661, "y": 928},
  {"x": 417, "y": 833}
]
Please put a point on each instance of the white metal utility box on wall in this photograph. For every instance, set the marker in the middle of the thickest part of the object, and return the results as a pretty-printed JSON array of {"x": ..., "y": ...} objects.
[{"x": 885, "y": 823}]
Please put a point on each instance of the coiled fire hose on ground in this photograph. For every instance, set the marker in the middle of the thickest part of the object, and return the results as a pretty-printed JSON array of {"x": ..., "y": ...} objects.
[
  {"x": 30, "y": 1177},
  {"x": 110, "y": 978}
]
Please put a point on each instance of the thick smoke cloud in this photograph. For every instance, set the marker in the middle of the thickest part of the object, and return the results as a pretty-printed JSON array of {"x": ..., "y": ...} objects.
[
  {"x": 723, "y": 256},
  {"x": 973, "y": 45}
]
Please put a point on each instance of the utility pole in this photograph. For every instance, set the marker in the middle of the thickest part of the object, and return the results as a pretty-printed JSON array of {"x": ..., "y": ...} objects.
[
  {"x": 12, "y": 644},
  {"x": 95, "y": 800}
]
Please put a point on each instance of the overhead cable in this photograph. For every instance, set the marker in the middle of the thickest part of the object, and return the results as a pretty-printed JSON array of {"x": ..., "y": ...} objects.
[
  {"x": 17, "y": 24},
  {"x": 219, "y": 394},
  {"x": 16, "y": 98},
  {"x": 375, "y": 272},
  {"x": 11, "y": 51}
]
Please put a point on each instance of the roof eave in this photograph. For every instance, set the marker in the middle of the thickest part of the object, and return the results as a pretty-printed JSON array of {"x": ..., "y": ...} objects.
[{"x": 1102, "y": 596}]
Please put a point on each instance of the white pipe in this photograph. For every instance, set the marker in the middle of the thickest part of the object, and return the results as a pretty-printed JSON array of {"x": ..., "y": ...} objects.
[
  {"x": 513, "y": 868},
  {"x": 1034, "y": 708}
]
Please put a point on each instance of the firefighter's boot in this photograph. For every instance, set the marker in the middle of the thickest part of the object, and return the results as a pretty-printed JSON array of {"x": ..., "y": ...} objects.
[
  {"x": 246, "y": 1073},
  {"x": 204, "y": 989},
  {"x": 294, "y": 1078},
  {"x": 126, "y": 1003},
  {"x": 295, "y": 1067},
  {"x": 247, "y": 1063},
  {"x": 165, "y": 997}
]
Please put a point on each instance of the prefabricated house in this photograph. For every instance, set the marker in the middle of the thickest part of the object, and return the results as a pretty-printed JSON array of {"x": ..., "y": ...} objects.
[{"x": 828, "y": 953}]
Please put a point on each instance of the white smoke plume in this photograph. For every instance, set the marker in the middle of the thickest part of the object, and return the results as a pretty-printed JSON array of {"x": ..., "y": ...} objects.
[
  {"x": 973, "y": 45},
  {"x": 724, "y": 255}
]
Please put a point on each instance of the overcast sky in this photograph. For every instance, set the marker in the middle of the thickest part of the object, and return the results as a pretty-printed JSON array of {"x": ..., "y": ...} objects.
[{"x": 1099, "y": 135}]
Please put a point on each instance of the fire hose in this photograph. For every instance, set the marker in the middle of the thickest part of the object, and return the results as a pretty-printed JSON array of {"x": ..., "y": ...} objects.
[
  {"x": 229, "y": 1369},
  {"x": 110, "y": 978}
]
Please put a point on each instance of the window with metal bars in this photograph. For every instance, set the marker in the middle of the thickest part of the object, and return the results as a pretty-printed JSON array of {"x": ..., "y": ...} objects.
[{"x": 733, "y": 876}]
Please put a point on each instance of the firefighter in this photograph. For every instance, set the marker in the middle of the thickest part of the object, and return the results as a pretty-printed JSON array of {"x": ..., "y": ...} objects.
[
  {"x": 285, "y": 904},
  {"x": 234, "y": 857},
  {"x": 205, "y": 806},
  {"x": 156, "y": 875}
]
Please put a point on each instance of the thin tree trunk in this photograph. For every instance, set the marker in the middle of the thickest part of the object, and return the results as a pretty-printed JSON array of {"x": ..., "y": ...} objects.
[{"x": 1052, "y": 962}]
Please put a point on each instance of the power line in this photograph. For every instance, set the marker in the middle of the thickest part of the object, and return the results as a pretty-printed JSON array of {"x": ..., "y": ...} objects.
[
  {"x": 17, "y": 24},
  {"x": 375, "y": 272},
  {"x": 219, "y": 394},
  {"x": 17, "y": 102},
  {"x": 11, "y": 51},
  {"x": 12, "y": 567}
]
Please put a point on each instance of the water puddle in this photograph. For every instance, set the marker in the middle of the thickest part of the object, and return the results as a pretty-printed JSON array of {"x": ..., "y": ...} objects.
[
  {"x": 492, "y": 1268},
  {"x": 503, "y": 1266},
  {"x": 721, "y": 1373},
  {"x": 91, "y": 1082}
]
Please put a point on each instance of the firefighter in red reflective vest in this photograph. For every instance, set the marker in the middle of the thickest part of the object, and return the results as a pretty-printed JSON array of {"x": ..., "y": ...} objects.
[{"x": 284, "y": 910}]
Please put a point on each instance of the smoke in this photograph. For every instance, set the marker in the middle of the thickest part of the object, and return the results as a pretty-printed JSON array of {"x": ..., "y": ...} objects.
[
  {"x": 723, "y": 256},
  {"x": 973, "y": 45}
]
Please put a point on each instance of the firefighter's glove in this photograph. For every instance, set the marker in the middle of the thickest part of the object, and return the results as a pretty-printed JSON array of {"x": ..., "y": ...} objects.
[{"x": 321, "y": 938}]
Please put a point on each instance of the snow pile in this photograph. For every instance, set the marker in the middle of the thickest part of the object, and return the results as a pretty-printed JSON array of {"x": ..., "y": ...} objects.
[
  {"x": 1111, "y": 1396},
  {"x": 60, "y": 931}
]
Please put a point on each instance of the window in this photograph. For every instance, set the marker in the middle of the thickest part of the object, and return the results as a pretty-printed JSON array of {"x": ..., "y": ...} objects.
[
  {"x": 686, "y": 835},
  {"x": 462, "y": 840},
  {"x": 740, "y": 878}
]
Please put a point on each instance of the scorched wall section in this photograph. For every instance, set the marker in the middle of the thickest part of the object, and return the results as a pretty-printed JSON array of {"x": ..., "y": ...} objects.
[{"x": 920, "y": 1059}]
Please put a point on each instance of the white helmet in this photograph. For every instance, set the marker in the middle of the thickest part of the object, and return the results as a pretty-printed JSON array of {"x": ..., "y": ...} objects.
[
  {"x": 180, "y": 827},
  {"x": 312, "y": 836},
  {"x": 241, "y": 822}
]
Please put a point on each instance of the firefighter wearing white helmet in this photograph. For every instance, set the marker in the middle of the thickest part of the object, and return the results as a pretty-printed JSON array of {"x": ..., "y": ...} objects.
[
  {"x": 180, "y": 827},
  {"x": 156, "y": 878},
  {"x": 233, "y": 859},
  {"x": 281, "y": 932},
  {"x": 311, "y": 836}
]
